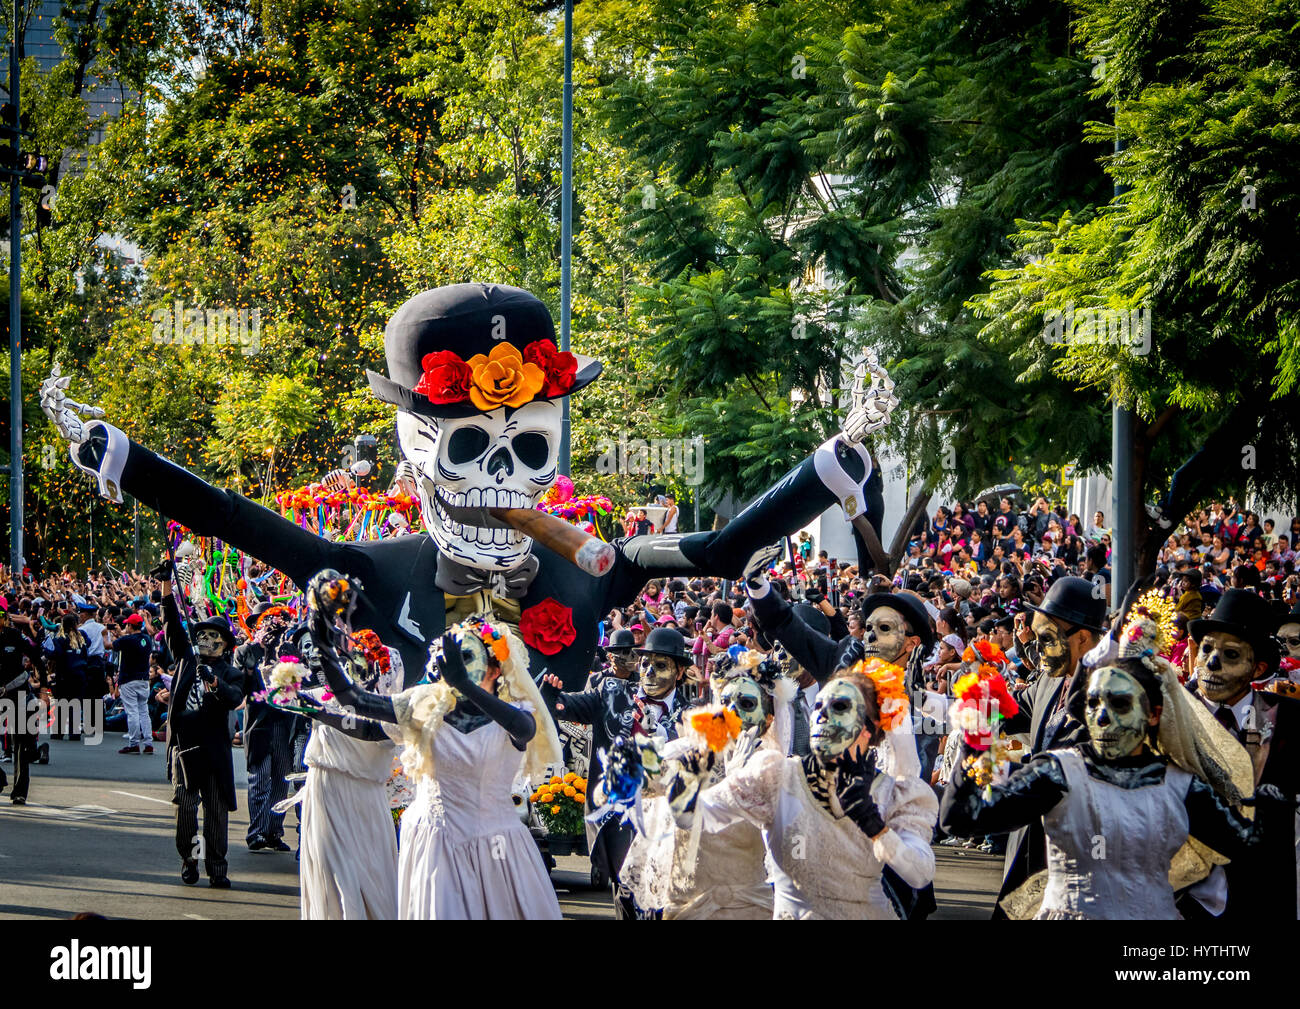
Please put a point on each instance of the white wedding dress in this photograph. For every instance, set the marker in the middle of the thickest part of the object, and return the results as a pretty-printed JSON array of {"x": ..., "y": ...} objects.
[
  {"x": 823, "y": 866},
  {"x": 348, "y": 848},
  {"x": 465, "y": 854}
]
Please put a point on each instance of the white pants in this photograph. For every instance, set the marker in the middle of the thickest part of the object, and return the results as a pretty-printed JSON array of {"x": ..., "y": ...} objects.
[{"x": 135, "y": 701}]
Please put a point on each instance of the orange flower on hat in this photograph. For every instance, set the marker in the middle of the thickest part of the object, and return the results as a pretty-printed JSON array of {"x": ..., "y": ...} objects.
[{"x": 503, "y": 378}]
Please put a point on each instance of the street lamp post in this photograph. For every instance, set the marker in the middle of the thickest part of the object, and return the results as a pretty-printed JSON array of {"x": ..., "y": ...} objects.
[
  {"x": 566, "y": 220},
  {"x": 15, "y": 319}
]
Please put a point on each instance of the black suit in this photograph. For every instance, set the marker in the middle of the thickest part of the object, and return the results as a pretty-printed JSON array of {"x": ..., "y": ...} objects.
[
  {"x": 404, "y": 606},
  {"x": 1051, "y": 725},
  {"x": 1262, "y": 887},
  {"x": 199, "y": 764}
]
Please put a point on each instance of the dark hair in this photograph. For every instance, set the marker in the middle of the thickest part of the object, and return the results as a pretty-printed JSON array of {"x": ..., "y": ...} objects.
[
  {"x": 723, "y": 612},
  {"x": 1097, "y": 555}
]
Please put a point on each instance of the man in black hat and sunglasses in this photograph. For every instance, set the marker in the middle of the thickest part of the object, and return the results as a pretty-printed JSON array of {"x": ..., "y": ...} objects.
[{"x": 1067, "y": 625}]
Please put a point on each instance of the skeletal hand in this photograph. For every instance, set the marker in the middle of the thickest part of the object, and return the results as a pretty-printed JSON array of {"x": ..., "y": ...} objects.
[
  {"x": 64, "y": 412},
  {"x": 872, "y": 404},
  {"x": 404, "y": 480},
  {"x": 337, "y": 480}
]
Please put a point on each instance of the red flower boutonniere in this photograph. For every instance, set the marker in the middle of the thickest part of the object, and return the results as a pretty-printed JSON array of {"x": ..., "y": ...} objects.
[{"x": 548, "y": 627}]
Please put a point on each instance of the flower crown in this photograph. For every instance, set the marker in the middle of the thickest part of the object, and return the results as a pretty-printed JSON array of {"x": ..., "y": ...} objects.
[
  {"x": 891, "y": 691},
  {"x": 504, "y": 377},
  {"x": 492, "y": 637}
]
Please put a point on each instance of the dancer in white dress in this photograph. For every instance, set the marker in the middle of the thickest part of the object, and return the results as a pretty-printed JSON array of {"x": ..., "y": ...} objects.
[
  {"x": 834, "y": 819},
  {"x": 717, "y": 875},
  {"x": 348, "y": 852},
  {"x": 1117, "y": 809},
  {"x": 464, "y": 852}
]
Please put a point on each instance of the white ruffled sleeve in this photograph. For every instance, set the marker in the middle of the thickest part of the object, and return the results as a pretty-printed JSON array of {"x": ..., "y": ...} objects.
[
  {"x": 750, "y": 793},
  {"x": 910, "y": 810}
]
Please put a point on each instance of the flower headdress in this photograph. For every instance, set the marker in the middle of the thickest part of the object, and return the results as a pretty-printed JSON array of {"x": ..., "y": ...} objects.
[
  {"x": 891, "y": 690},
  {"x": 1149, "y": 629}
]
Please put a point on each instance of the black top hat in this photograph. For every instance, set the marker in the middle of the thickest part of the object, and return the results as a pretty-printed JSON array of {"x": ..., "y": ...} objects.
[
  {"x": 621, "y": 641},
  {"x": 665, "y": 641},
  {"x": 430, "y": 341},
  {"x": 1245, "y": 614},
  {"x": 217, "y": 624},
  {"x": 918, "y": 619},
  {"x": 1074, "y": 600}
]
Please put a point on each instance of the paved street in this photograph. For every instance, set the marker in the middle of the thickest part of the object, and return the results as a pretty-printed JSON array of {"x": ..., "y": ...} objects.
[{"x": 97, "y": 835}]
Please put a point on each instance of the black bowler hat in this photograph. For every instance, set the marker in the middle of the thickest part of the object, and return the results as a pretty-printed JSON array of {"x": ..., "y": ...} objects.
[
  {"x": 1074, "y": 600},
  {"x": 918, "y": 618},
  {"x": 458, "y": 323},
  {"x": 1292, "y": 617},
  {"x": 1248, "y": 616},
  {"x": 621, "y": 641},
  {"x": 665, "y": 641},
  {"x": 813, "y": 617}
]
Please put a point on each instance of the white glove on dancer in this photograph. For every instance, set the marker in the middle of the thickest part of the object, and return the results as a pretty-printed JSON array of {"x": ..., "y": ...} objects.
[{"x": 94, "y": 446}]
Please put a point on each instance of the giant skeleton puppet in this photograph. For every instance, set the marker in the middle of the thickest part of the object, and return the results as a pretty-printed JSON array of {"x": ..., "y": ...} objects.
[{"x": 478, "y": 384}]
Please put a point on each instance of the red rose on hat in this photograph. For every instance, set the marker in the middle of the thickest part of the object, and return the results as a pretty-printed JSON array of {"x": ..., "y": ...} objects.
[
  {"x": 560, "y": 366},
  {"x": 446, "y": 378},
  {"x": 548, "y": 627}
]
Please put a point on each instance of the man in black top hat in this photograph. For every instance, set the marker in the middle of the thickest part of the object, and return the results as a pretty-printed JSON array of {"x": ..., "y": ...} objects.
[
  {"x": 1067, "y": 626},
  {"x": 204, "y": 690},
  {"x": 479, "y": 384},
  {"x": 268, "y": 730},
  {"x": 1236, "y": 654},
  {"x": 622, "y": 663}
]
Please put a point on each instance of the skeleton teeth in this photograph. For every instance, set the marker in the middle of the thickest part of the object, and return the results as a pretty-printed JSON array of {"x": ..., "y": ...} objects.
[
  {"x": 499, "y": 537},
  {"x": 489, "y": 497},
  {"x": 473, "y": 499},
  {"x": 456, "y": 528}
]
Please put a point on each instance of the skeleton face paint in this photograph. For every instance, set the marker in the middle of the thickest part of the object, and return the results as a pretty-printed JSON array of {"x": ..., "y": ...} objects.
[
  {"x": 743, "y": 696},
  {"x": 838, "y": 718},
  {"x": 886, "y": 634},
  {"x": 1289, "y": 635},
  {"x": 622, "y": 664},
  {"x": 1117, "y": 712},
  {"x": 658, "y": 675},
  {"x": 1225, "y": 665},
  {"x": 1053, "y": 646},
  {"x": 485, "y": 460},
  {"x": 209, "y": 644}
]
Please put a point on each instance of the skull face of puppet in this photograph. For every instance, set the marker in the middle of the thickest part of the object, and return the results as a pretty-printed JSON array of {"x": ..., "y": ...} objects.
[
  {"x": 658, "y": 675},
  {"x": 209, "y": 644},
  {"x": 838, "y": 718},
  {"x": 503, "y": 459},
  {"x": 885, "y": 634},
  {"x": 1053, "y": 645},
  {"x": 1225, "y": 665},
  {"x": 745, "y": 697},
  {"x": 1289, "y": 635},
  {"x": 1118, "y": 712}
]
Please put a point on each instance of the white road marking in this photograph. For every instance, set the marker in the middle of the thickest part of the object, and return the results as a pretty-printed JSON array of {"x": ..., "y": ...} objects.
[
  {"x": 196, "y": 917},
  {"x": 146, "y": 798},
  {"x": 82, "y": 812}
]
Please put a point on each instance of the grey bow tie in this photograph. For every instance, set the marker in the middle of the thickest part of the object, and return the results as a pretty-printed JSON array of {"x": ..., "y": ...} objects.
[{"x": 458, "y": 580}]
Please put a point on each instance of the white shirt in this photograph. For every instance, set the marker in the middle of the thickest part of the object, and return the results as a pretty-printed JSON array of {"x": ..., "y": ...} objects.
[
  {"x": 94, "y": 632},
  {"x": 808, "y": 695}
]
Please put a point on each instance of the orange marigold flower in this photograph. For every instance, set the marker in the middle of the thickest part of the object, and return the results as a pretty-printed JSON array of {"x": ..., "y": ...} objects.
[{"x": 503, "y": 378}]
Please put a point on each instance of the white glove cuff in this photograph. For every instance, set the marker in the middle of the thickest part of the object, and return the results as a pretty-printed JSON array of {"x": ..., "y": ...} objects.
[
  {"x": 847, "y": 491},
  {"x": 109, "y": 473}
]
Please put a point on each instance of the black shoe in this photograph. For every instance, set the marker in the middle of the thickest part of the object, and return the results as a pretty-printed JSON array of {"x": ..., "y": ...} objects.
[
  {"x": 219, "y": 884},
  {"x": 19, "y": 800},
  {"x": 258, "y": 843},
  {"x": 277, "y": 844},
  {"x": 189, "y": 873},
  {"x": 43, "y": 753}
]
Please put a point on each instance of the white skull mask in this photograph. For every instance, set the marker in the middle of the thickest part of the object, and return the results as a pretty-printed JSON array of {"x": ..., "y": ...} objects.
[{"x": 487, "y": 460}]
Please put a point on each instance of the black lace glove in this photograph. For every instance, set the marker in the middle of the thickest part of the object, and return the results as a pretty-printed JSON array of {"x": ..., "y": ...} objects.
[{"x": 853, "y": 778}]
